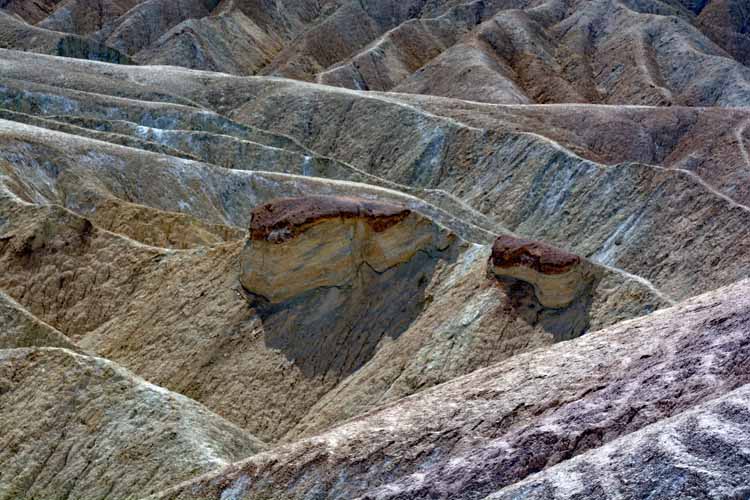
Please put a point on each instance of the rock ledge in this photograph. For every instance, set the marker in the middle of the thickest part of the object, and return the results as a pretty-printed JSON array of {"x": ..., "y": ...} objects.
[{"x": 285, "y": 218}]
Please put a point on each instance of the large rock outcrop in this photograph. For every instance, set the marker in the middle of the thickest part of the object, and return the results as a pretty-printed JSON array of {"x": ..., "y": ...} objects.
[
  {"x": 546, "y": 285},
  {"x": 348, "y": 273},
  {"x": 357, "y": 330},
  {"x": 300, "y": 244},
  {"x": 335, "y": 352}
]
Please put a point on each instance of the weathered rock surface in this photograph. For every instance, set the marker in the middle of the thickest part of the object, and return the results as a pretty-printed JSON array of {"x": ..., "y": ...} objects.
[
  {"x": 389, "y": 329},
  {"x": 632, "y": 232},
  {"x": 606, "y": 52},
  {"x": 81, "y": 427},
  {"x": 33, "y": 12},
  {"x": 558, "y": 277},
  {"x": 546, "y": 285},
  {"x": 145, "y": 23},
  {"x": 701, "y": 453},
  {"x": 84, "y": 17},
  {"x": 432, "y": 321},
  {"x": 19, "y": 328},
  {"x": 477, "y": 434},
  {"x": 314, "y": 262},
  {"x": 300, "y": 244},
  {"x": 16, "y": 34}
]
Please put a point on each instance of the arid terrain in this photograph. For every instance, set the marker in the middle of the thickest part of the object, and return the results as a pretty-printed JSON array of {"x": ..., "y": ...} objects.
[{"x": 374, "y": 249}]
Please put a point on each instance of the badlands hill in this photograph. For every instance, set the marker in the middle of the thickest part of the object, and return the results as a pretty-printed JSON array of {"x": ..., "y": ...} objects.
[{"x": 343, "y": 249}]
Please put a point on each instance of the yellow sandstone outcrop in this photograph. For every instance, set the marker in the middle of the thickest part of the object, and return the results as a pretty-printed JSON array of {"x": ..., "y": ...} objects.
[{"x": 299, "y": 244}]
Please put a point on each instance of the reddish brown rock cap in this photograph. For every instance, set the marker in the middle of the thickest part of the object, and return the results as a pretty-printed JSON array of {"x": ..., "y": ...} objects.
[
  {"x": 509, "y": 251},
  {"x": 284, "y": 218}
]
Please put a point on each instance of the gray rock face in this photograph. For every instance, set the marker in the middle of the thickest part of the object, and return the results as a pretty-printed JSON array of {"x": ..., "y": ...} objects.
[
  {"x": 701, "y": 453},
  {"x": 389, "y": 327},
  {"x": 480, "y": 433}
]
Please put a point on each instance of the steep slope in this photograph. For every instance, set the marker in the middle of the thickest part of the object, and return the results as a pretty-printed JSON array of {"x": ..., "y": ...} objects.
[
  {"x": 84, "y": 17},
  {"x": 440, "y": 157},
  {"x": 515, "y": 52},
  {"x": 726, "y": 23},
  {"x": 525, "y": 182},
  {"x": 701, "y": 453},
  {"x": 22, "y": 329},
  {"x": 581, "y": 56},
  {"x": 126, "y": 301},
  {"x": 474, "y": 435},
  {"x": 16, "y": 34},
  {"x": 147, "y": 21},
  {"x": 32, "y": 12},
  {"x": 523, "y": 51},
  {"x": 204, "y": 44},
  {"x": 505, "y": 52},
  {"x": 374, "y": 249},
  {"x": 81, "y": 427}
]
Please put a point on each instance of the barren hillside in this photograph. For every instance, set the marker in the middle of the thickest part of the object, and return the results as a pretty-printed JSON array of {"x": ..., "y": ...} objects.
[{"x": 291, "y": 249}]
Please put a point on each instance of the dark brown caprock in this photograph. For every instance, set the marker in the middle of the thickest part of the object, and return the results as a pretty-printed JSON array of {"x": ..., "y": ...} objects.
[
  {"x": 509, "y": 251},
  {"x": 299, "y": 244},
  {"x": 284, "y": 218}
]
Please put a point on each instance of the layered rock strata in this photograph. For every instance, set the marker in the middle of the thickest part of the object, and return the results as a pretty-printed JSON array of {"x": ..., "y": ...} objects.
[
  {"x": 300, "y": 244},
  {"x": 558, "y": 277}
]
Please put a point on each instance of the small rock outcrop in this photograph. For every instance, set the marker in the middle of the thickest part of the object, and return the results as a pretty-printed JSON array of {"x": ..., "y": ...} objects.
[
  {"x": 300, "y": 244},
  {"x": 558, "y": 277}
]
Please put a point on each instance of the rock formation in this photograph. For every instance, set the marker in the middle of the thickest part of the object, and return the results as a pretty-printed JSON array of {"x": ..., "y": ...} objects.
[
  {"x": 546, "y": 285},
  {"x": 478, "y": 434},
  {"x": 558, "y": 277},
  {"x": 82, "y": 427},
  {"x": 33, "y": 12},
  {"x": 300, "y": 244},
  {"x": 16, "y": 34},
  {"x": 295, "y": 249},
  {"x": 646, "y": 461},
  {"x": 495, "y": 51},
  {"x": 21, "y": 329}
]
